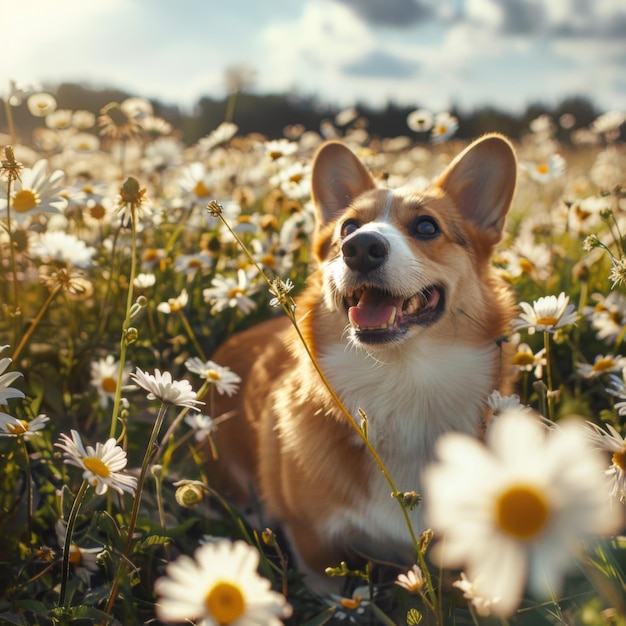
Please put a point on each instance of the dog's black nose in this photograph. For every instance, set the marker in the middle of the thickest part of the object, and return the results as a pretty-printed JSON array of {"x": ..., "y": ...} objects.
[{"x": 364, "y": 252}]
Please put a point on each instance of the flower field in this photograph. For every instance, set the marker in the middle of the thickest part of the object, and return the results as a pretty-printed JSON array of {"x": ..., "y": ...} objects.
[{"x": 117, "y": 283}]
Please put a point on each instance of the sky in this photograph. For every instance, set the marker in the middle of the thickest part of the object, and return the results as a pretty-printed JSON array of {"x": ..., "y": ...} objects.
[{"x": 428, "y": 53}]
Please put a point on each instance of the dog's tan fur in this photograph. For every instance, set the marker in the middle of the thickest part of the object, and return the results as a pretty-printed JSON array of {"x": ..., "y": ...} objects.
[{"x": 288, "y": 440}]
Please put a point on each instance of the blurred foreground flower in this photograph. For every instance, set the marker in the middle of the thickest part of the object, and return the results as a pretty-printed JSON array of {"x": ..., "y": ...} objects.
[
  {"x": 220, "y": 586},
  {"x": 102, "y": 466},
  {"x": 519, "y": 510},
  {"x": 161, "y": 387}
]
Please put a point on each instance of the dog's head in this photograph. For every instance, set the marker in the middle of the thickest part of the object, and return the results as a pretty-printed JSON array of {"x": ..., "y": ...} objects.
[{"x": 399, "y": 263}]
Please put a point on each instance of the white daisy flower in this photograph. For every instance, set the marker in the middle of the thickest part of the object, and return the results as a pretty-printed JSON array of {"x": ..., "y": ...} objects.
[
  {"x": 62, "y": 247},
  {"x": 602, "y": 364},
  {"x": 6, "y": 380},
  {"x": 352, "y": 608},
  {"x": 41, "y": 104},
  {"x": 161, "y": 387},
  {"x": 519, "y": 510},
  {"x": 230, "y": 293},
  {"x": 546, "y": 314},
  {"x": 525, "y": 360},
  {"x": 444, "y": 126},
  {"x": 412, "y": 581},
  {"x": 543, "y": 171},
  {"x": 144, "y": 280},
  {"x": 13, "y": 427},
  {"x": 220, "y": 586},
  {"x": 201, "y": 424},
  {"x": 104, "y": 373},
  {"x": 36, "y": 191},
  {"x": 223, "y": 378},
  {"x": 102, "y": 466},
  {"x": 500, "y": 404},
  {"x": 420, "y": 120},
  {"x": 618, "y": 390},
  {"x": 616, "y": 444},
  {"x": 607, "y": 315},
  {"x": 279, "y": 148},
  {"x": 84, "y": 561},
  {"x": 174, "y": 305},
  {"x": 223, "y": 133}
]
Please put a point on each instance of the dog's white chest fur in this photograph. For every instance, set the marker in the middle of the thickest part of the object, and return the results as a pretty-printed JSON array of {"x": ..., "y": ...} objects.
[{"x": 409, "y": 403}]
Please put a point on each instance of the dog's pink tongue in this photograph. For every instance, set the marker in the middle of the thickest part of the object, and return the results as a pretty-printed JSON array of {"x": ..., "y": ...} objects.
[{"x": 374, "y": 310}]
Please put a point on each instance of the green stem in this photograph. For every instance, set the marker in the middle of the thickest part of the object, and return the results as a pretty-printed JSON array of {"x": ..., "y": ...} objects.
[
  {"x": 191, "y": 334},
  {"x": 67, "y": 547},
  {"x": 125, "y": 327},
  {"x": 35, "y": 323},
  {"x": 145, "y": 466},
  {"x": 550, "y": 394},
  {"x": 16, "y": 300},
  {"x": 395, "y": 493}
]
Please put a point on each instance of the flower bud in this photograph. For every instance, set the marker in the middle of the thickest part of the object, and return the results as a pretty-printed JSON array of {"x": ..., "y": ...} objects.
[{"x": 189, "y": 495}]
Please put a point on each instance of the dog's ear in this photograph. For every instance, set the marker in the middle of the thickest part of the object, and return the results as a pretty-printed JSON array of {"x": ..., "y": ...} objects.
[
  {"x": 337, "y": 178},
  {"x": 481, "y": 181}
]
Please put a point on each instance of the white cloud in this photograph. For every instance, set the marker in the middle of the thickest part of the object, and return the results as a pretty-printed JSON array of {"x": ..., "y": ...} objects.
[{"x": 312, "y": 48}]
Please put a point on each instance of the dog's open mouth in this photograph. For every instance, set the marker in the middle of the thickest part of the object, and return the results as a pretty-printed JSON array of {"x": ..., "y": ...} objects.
[{"x": 378, "y": 316}]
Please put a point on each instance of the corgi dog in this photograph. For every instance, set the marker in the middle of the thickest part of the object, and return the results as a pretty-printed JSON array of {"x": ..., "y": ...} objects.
[{"x": 404, "y": 315}]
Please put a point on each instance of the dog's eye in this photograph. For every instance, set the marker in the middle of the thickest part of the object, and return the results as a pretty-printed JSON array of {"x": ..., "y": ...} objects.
[
  {"x": 348, "y": 227},
  {"x": 425, "y": 227}
]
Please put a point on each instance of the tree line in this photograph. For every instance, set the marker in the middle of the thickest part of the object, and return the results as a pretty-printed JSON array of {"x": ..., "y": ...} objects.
[{"x": 269, "y": 114}]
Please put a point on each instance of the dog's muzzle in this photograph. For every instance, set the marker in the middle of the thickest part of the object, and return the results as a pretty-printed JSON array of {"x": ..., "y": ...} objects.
[{"x": 376, "y": 314}]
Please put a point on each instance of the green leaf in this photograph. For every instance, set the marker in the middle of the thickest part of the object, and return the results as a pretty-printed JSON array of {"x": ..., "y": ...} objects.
[
  {"x": 413, "y": 617},
  {"x": 81, "y": 611},
  {"x": 155, "y": 540},
  {"x": 322, "y": 618},
  {"x": 38, "y": 608}
]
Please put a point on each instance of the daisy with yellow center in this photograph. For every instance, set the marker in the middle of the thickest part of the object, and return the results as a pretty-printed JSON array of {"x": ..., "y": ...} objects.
[
  {"x": 220, "y": 586},
  {"x": 13, "y": 427},
  {"x": 174, "y": 305},
  {"x": 602, "y": 364},
  {"x": 614, "y": 443},
  {"x": 104, "y": 375},
  {"x": 222, "y": 378},
  {"x": 228, "y": 292},
  {"x": 444, "y": 126},
  {"x": 525, "y": 360},
  {"x": 547, "y": 169},
  {"x": 36, "y": 191},
  {"x": 162, "y": 387},
  {"x": 102, "y": 466},
  {"x": 546, "y": 314},
  {"x": 518, "y": 511}
]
